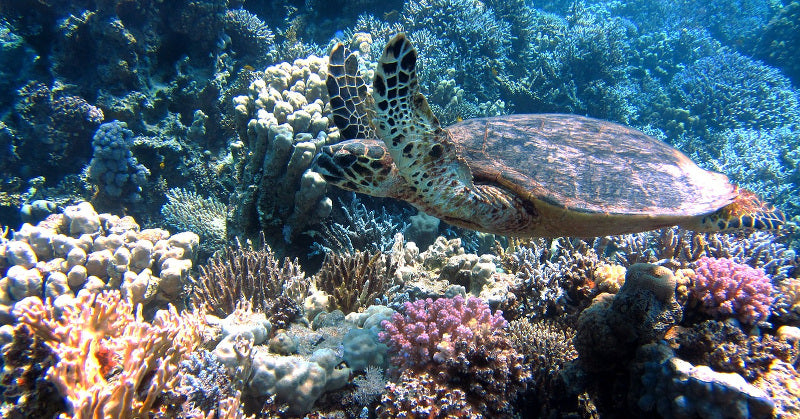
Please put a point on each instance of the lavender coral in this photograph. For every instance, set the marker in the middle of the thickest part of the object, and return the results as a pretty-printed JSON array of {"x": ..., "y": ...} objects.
[
  {"x": 460, "y": 342},
  {"x": 432, "y": 330},
  {"x": 727, "y": 288}
]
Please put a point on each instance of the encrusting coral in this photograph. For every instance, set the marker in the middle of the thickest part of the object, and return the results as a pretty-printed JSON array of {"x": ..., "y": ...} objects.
[{"x": 111, "y": 362}]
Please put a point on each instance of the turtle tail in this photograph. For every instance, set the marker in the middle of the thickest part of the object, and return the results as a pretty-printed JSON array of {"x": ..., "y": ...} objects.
[{"x": 747, "y": 211}]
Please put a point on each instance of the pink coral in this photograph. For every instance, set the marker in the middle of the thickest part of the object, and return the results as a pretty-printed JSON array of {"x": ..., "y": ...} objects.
[
  {"x": 432, "y": 330},
  {"x": 463, "y": 345},
  {"x": 727, "y": 288}
]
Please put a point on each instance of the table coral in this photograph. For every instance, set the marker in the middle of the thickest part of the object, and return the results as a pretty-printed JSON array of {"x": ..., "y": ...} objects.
[
  {"x": 729, "y": 289},
  {"x": 111, "y": 362}
]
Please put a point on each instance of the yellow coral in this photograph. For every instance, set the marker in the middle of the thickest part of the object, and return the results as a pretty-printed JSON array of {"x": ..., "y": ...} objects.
[
  {"x": 609, "y": 278},
  {"x": 684, "y": 279},
  {"x": 111, "y": 362}
]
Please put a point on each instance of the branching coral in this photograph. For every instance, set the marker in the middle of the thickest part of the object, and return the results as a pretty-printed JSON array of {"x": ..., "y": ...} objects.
[
  {"x": 728, "y": 91},
  {"x": 360, "y": 229},
  {"x": 726, "y": 348},
  {"x": 547, "y": 346},
  {"x": 251, "y": 273},
  {"x": 459, "y": 341},
  {"x": 355, "y": 281},
  {"x": 729, "y": 289},
  {"x": 112, "y": 362}
]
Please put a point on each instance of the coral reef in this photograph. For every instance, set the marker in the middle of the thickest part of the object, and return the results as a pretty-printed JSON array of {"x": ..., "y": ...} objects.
[
  {"x": 354, "y": 281},
  {"x": 729, "y": 90},
  {"x": 675, "y": 388},
  {"x": 725, "y": 288},
  {"x": 282, "y": 120},
  {"x": 726, "y": 348},
  {"x": 610, "y": 330},
  {"x": 458, "y": 341},
  {"x": 248, "y": 272},
  {"x": 777, "y": 44},
  {"x": 110, "y": 361},
  {"x": 83, "y": 250}
]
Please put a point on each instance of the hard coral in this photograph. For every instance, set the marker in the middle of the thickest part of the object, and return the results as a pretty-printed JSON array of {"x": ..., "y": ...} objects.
[
  {"x": 729, "y": 289},
  {"x": 462, "y": 341}
]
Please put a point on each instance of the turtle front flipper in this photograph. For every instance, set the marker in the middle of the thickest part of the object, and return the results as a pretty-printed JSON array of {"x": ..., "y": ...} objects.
[
  {"x": 404, "y": 120},
  {"x": 747, "y": 211},
  {"x": 351, "y": 103}
]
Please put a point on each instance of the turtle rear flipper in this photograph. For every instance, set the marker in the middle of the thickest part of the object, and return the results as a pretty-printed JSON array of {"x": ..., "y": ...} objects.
[
  {"x": 351, "y": 103},
  {"x": 747, "y": 211}
]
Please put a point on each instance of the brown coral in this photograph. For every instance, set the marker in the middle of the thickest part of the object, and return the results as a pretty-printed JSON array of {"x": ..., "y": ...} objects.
[
  {"x": 354, "y": 281},
  {"x": 547, "y": 347},
  {"x": 145, "y": 356},
  {"x": 247, "y": 272},
  {"x": 422, "y": 395},
  {"x": 726, "y": 348}
]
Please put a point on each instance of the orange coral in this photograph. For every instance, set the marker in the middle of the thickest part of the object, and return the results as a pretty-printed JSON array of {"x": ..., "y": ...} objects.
[{"x": 111, "y": 362}]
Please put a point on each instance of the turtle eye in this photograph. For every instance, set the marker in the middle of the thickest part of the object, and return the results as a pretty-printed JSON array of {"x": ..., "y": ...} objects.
[{"x": 344, "y": 159}]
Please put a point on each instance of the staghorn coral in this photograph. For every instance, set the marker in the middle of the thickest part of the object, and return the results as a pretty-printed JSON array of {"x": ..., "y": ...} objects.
[
  {"x": 112, "y": 362},
  {"x": 205, "y": 383},
  {"x": 187, "y": 210},
  {"x": 250, "y": 273},
  {"x": 355, "y": 281},
  {"x": 282, "y": 121},
  {"x": 725, "y": 288},
  {"x": 359, "y": 229},
  {"x": 550, "y": 272},
  {"x": 459, "y": 341}
]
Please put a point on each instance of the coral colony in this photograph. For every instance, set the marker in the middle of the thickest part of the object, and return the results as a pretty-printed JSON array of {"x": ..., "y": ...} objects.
[{"x": 168, "y": 250}]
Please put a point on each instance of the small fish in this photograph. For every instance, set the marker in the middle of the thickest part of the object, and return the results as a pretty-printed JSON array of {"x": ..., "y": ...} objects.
[
  {"x": 249, "y": 67},
  {"x": 459, "y": 119},
  {"x": 391, "y": 15}
]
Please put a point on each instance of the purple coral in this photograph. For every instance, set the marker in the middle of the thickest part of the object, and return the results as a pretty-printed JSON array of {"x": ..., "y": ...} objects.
[
  {"x": 436, "y": 330},
  {"x": 728, "y": 288}
]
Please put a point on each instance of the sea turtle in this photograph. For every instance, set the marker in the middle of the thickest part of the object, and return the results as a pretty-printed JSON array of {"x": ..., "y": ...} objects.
[{"x": 542, "y": 175}]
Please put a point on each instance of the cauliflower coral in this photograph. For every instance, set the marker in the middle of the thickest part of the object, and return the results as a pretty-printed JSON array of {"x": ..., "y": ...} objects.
[{"x": 727, "y": 288}]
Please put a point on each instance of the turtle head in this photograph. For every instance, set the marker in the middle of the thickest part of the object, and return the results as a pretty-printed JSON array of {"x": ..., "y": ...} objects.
[{"x": 363, "y": 166}]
